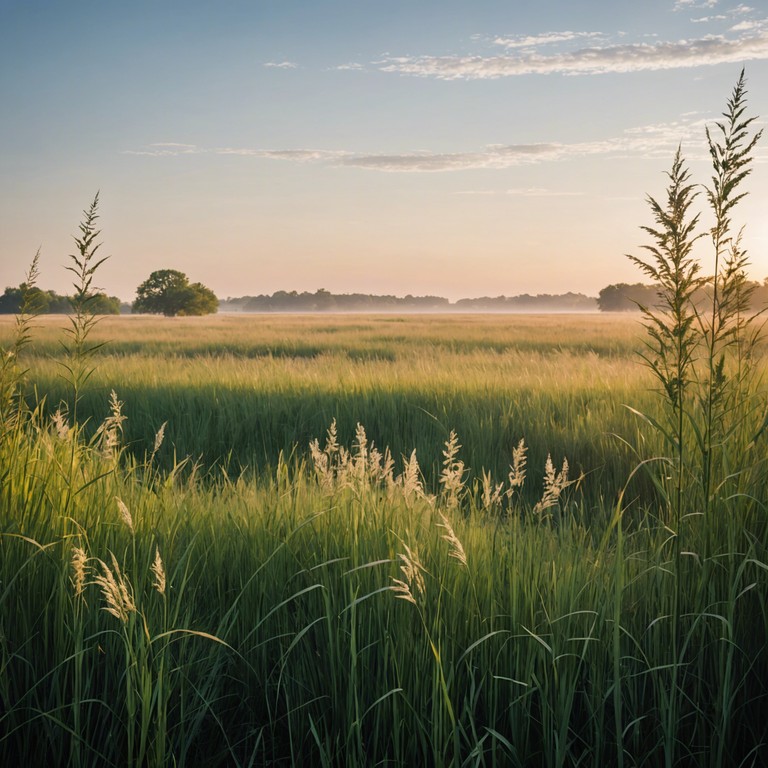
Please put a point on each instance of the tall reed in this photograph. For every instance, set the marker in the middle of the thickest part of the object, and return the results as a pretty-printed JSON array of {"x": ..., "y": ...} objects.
[{"x": 703, "y": 357}]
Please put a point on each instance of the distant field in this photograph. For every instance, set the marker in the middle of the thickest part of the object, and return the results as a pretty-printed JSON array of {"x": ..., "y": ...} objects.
[{"x": 239, "y": 390}]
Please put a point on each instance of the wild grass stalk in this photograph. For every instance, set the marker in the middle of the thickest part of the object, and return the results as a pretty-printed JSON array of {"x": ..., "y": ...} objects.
[
  {"x": 725, "y": 326},
  {"x": 702, "y": 357}
]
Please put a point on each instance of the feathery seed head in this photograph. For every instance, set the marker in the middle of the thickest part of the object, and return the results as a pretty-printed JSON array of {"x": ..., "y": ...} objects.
[
  {"x": 491, "y": 493},
  {"x": 452, "y": 475},
  {"x": 159, "y": 438},
  {"x": 332, "y": 442},
  {"x": 112, "y": 427},
  {"x": 158, "y": 571},
  {"x": 413, "y": 585},
  {"x": 554, "y": 484},
  {"x": 456, "y": 547},
  {"x": 125, "y": 514},
  {"x": 59, "y": 421},
  {"x": 410, "y": 480},
  {"x": 80, "y": 569},
  {"x": 115, "y": 590},
  {"x": 517, "y": 468}
]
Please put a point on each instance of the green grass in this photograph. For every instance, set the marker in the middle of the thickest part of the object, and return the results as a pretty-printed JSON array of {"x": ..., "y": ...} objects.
[
  {"x": 241, "y": 391},
  {"x": 279, "y": 639}
]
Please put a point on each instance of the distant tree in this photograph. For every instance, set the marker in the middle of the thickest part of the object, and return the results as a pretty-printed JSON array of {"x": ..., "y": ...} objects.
[
  {"x": 11, "y": 301},
  {"x": 168, "y": 292},
  {"x": 41, "y": 302},
  {"x": 101, "y": 304},
  {"x": 202, "y": 301},
  {"x": 623, "y": 297},
  {"x": 52, "y": 303},
  {"x": 58, "y": 304}
]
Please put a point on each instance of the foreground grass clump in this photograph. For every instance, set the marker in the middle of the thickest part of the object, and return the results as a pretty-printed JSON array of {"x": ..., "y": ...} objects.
[{"x": 167, "y": 621}]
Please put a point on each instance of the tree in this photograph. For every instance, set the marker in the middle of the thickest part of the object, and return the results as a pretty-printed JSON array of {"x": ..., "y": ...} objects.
[
  {"x": 101, "y": 304},
  {"x": 168, "y": 292},
  {"x": 202, "y": 301},
  {"x": 622, "y": 297}
]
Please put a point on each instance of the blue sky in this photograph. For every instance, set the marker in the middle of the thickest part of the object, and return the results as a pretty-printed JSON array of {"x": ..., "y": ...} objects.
[{"x": 453, "y": 148}]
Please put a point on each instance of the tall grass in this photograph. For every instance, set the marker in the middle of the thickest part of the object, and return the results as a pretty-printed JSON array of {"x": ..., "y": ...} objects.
[
  {"x": 278, "y": 635},
  {"x": 243, "y": 411},
  {"x": 703, "y": 358}
]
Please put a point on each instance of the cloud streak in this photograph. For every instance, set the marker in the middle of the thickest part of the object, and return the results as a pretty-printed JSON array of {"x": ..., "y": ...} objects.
[
  {"x": 546, "y": 38},
  {"x": 648, "y": 141},
  {"x": 520, "y": 192},
  {"x": 684, "y": 5},
  {"x": 597, "y": 60}
]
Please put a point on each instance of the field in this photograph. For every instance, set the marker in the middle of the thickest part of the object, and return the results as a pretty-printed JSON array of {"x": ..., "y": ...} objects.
[
  {"x": 216, "y": 591},
  {"x": 240, "y": 391}
]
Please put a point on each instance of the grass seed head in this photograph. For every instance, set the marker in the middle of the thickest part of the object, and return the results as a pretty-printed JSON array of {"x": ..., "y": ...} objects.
[
  {"x": 80, "y": 569},
  {"x": 410, "y": 480},
  {"x": 115, "y": 590},
  {"x": 158, "y": 571},
  {"x": 60, "y": 424},
  {"x": 456, "y": 547},
  {"x": 159, "y": 436},
  {"x": 491, "y": 492},
  {"x": 112, "y": 427},
  {"x": 517, "y": 468},
  {"x": 125, "y": 514},
  {"x": 412, "y": 586},
  {"x": 554, "y": 484}
]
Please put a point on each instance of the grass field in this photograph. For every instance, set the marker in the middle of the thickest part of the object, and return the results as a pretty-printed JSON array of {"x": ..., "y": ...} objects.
[
  {"x": 265, "y": 603},
  {"x": 239, "y": 391}
]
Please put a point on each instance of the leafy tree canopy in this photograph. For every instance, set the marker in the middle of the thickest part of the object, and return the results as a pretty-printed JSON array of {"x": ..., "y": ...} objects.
[
  {"x": 168, "y": 292},
  {"x": 50, "y": 302}
]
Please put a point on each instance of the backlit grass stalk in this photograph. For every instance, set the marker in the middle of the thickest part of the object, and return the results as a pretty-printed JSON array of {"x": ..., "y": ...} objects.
[
  {"x": 12, "y": 404},
  {"x": 725, "y": 327},
  {"x": 76, "y": 366},
  {"x": 672, "y": 342},
  {"x": 672, "y": 333},
  {"x": 82, "y": 321}
]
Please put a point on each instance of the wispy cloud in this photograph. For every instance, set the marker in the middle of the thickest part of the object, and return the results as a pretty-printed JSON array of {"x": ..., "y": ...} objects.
[
  {"x": 618, "y": 58},
  {"x": 281, "y": 64},
  {"x": 748, "y": 26},
  {"x": 520, "y": 192},
  {"x": 685, "y": 5},
  {"x": 495, "y": 156},
  {"x": 545, "y": 38},
  {"x": 652, "y": 141},
  {"x": 296, "y": 155},
  {"x": 352, "y": 66},
  {"x": 736, "y": 12},
  {"x": 166, "y": 149}
]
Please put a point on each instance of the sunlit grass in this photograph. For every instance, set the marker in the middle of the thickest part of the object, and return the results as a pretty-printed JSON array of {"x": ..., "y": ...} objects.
[
  {"x": 529, "y": 634},
  {"x": 242, "y": 390}
]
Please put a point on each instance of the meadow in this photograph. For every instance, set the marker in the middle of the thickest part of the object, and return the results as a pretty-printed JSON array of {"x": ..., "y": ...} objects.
[
  {"x": 382, "y": 540},
  {"x": 239, "y": 392},
  {"x": 216, "y": 591}
]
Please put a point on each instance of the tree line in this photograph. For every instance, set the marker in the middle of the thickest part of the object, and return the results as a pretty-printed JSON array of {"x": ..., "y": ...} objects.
[
  {"x": 626, "y": 297},
  {"x": 170, "y": 292},
  {"x": 325, "y": 301},
  {"x": 50, "y": 302}
]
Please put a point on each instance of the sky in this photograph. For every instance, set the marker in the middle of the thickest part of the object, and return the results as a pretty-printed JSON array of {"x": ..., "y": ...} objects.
[{"x": 459, "y": 149}]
